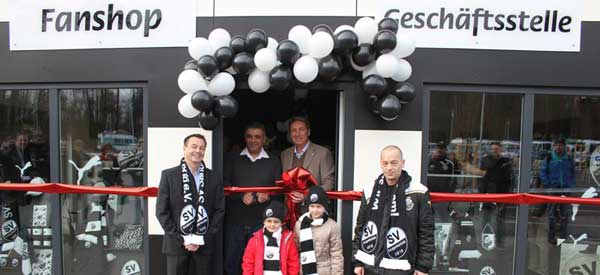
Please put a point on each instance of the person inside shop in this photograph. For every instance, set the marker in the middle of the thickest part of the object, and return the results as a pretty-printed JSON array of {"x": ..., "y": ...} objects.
[
  {"x": 190, "y": 208},
  {"x": 315, "y": 158},
  {"x": 557, "y": 174},
  {"x": 252, "y": 167},
  {"x": 395, "y": 225},
  {"x": 21, "y": 155},
  {"x": 440, "y": 178}
]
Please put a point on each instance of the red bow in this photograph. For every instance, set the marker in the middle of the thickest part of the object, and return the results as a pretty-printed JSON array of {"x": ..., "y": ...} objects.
[{"x": 297, "y": 179}]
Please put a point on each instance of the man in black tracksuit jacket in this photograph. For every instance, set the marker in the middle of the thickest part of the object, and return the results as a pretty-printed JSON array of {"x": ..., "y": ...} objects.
[{"x": 418, "y": 223}]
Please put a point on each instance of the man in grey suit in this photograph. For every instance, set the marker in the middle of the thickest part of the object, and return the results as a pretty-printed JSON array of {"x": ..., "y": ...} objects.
[
  {"x": 190, "y": 209},
  {"x": 313, "y": 157}
]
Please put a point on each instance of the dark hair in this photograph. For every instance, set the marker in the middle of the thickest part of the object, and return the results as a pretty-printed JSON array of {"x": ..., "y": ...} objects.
[
  {"x": 255, "y": 125},
  {"x": 301, "y": 119},
  {"x": 441, "y": 145},
  {"x": 185, "y": 140},
  {"x": 496, "y": 143},
  {"x": 559, "y": 140}
]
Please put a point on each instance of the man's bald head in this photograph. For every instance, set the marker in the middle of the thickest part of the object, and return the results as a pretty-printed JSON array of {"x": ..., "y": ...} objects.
[
  {"x": 392, "y": 149},
  {"x": 392, "y": 163}
]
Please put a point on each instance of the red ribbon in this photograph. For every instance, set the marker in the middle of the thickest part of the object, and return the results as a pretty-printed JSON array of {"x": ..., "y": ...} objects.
[
  {"x": 294, "y": 180},
  {"x": 520, "y": 198}
]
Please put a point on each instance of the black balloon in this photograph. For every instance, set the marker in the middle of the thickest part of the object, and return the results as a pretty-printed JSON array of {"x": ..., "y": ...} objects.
[
  {"x": 375, "y": 85},
  {"x": 224, "y": 56},
  {"x": 207, "y": 66},
  {"x": 243, "y": 63},
  {"x": 344, "y": 42},
  {"x": 389, "y": 107},
  {"x": 202, "y": 101},
  {"x": 329, "y": 68},
  {"x": 404, "y": 91},
  {"x": 384, "y": 41},
  {"x": 389, "y": 24},
  {"x": 256, "y": 40},
  {"x": 238, "y": 44},
  {"x": 208, "y": 121},
  {"x": 323, "y": 28},
  {"x": 363, "y": 55},
  {"x": 288, "y": 52},
  {"x": 225, "y": 106},
  {"x": 191, "y": 65},
  {"x": 280, "y": 77}
]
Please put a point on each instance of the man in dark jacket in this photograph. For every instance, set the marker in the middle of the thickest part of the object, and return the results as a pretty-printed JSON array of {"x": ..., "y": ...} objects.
[
  {"x": 190, "y": 209},
  {"x": 558, "y": 172},
  {"x": 497, "y": 178},
  {"x": 394, "y": 227},
  {"x": 440, "y": 178},
  {"x": 252, "y": 167}
]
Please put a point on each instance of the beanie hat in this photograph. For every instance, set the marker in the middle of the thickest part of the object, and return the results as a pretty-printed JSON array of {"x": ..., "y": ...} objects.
[
  {"x": 316, "y": 194},
  {"x": 274, "y": 210}
]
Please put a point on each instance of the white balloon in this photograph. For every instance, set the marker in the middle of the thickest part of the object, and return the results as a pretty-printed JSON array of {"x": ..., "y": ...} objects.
[
  {"x": 356, "y": 67},
  {"x": 320, "y": 45},
  {"x": 272, "y": 43},
  {"x": 301, "y": 35},
  {"x": 306, "y": 69},
  {"x": 219, "y": 38},
  {"x": 343, "y": 28},
  {"x": 185, "y": 107},
  {"x": 199, "y": 47},
  {"x": 259, "y": 81},
  {"x": 265, "y": 59},
  {"x": 365, "y": 28},
  {"x": 405, "y": 45},
  {"x": 404, "y": 71},
  {"x": 387, "y": 65},
  {"x": 369, "y": 70},
  {"x": 190, "y": 81},
  {"x": 221, "y": 84}
]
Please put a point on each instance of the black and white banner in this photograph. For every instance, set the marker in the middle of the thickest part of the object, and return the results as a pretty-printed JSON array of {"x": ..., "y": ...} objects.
[
  {"x": 78, "y": 24},
  {"x": 551, "y": 25}
]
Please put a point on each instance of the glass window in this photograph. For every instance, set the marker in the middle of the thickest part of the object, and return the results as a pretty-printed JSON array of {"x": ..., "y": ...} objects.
[
  {"x": 563, "y": 239},
  {"x": 102, "y": 145},
  {"x": 26, "y": 235},
  {"x": 474, "y": 147}
]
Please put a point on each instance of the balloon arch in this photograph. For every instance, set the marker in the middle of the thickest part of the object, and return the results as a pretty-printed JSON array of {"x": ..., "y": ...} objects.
[{"x": 375, "y": 49}]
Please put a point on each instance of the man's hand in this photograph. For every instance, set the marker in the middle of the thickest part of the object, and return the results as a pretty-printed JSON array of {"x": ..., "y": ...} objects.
[
  {"x": 262, "y": 197},
  {"x": 359, "y": 270},
  {"x": 192, "y": 247},
  {"x": 297, "y": 197},
  {"x": 248, "y": 199},
  {"x": 419, "y": 273}
]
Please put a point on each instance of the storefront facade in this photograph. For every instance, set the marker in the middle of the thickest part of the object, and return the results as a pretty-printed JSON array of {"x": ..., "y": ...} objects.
[{"x": 70, "y": 105}]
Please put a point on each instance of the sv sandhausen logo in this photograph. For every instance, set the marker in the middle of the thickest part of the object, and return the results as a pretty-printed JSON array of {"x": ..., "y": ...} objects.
[
  {"x": 369, "y": 237},
  {"x": 111, "y": 19},
  {"x": 480, "y": 19},
  {"x": 396, "y": 243}
]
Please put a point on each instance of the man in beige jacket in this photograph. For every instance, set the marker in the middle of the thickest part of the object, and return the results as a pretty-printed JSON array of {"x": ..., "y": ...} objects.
[{"x": 313, "y": 157}]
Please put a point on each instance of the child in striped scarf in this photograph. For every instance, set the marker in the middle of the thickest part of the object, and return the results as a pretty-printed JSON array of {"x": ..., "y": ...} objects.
[
  {"x": 319, "y": 237},
  {"x": 271, "y": 250}
]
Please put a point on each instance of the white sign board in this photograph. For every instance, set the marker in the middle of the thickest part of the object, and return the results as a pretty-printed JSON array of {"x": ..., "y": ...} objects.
[
  {"x": 78, "y": 24},
  {"x": 551, "y": 25}
]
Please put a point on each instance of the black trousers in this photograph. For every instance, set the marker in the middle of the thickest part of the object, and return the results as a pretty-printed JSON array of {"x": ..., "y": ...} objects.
[{"x": 192, "y": 263}]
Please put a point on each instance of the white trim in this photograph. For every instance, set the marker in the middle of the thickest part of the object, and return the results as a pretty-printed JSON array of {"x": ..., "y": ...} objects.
[
  {"x": 367, "y": 259},
  {"x": 395, "y": 264}
]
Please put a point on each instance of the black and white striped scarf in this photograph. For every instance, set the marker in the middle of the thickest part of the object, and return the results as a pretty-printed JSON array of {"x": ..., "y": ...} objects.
[
  {"x": 271, "y": 265},
  {"x": 193, "y": 221},
  {"x": 308, "y": 258}
]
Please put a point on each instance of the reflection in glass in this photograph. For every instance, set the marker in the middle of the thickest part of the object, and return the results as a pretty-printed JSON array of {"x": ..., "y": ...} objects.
[
  {"x": 26, "y": 235},
  {"x": 102, "y": 145},
  {"x": 474, "y": 147},
  {"x": 563, "y": 238}
]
